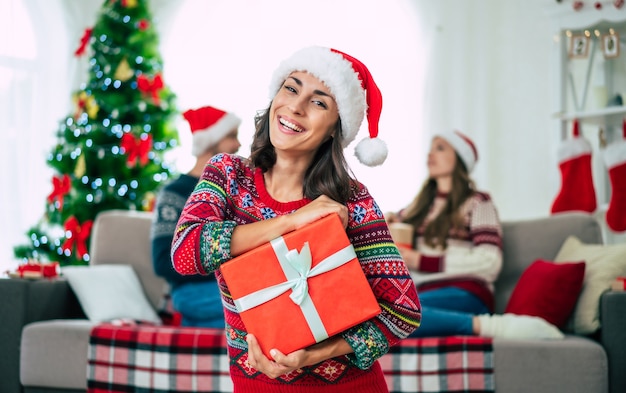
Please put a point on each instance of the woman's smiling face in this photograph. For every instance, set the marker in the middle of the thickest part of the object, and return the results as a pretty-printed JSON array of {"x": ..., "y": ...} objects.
[{"x": 303, "y": 114}]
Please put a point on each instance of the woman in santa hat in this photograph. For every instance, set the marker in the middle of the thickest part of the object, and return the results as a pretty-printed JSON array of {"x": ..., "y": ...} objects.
[
  {"x": 295, "y": 175},
  {"x": 455, "y": 251}
]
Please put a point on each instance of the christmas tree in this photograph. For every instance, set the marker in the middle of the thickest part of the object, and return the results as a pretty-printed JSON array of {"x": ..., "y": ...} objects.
[{"x": 110, "y": 151}]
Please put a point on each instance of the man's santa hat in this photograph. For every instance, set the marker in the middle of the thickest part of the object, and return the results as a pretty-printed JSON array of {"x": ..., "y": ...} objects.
[
  {"x": 354, "y": 89},
  {"x": 208, "y": 126},
  {"x": 464, "y": 147}
]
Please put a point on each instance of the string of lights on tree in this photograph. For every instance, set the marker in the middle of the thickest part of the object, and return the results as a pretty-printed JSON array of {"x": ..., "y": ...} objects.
[{"x": 111, "y": 150}]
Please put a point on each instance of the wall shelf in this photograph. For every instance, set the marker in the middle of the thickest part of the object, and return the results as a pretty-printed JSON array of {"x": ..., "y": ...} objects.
[{"x": 611, "y": 115}]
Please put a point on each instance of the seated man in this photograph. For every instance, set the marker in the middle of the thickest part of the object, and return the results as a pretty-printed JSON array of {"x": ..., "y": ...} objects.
[{"x": 196, "y": 298}]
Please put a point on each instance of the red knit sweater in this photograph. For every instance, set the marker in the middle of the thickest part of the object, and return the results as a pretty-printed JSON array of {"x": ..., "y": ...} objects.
[{"x": 231, "y": 193}]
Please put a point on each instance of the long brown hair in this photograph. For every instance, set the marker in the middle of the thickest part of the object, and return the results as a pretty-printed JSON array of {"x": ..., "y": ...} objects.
[
  {"x": 437, "y": 231},
  {"x": 328, "y": 174}
]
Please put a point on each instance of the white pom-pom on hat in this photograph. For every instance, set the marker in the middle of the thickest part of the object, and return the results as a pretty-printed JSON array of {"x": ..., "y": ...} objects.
[
  {"x": 354, "y": 90},
  {"x": 371, "y": 151}
]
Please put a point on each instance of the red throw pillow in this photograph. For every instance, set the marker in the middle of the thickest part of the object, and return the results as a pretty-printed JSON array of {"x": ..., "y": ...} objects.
[{"x": 548, "y": 290}]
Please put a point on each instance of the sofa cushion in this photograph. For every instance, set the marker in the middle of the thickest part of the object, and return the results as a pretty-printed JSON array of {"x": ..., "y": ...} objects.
[
  {"x": 108, "y": 292},
  {"x": 525, "y": 241},
  {"x": 54, "y": 353},
  {"x": 604, "y": 263},
  {"x": 574, "y": 365},
  {"x": 548, "y": 290}
]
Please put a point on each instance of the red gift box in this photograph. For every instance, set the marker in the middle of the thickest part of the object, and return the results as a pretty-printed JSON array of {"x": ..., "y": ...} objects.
[
  {"x": 33, "y": 269},
  {"x": 301, "y": 288}
]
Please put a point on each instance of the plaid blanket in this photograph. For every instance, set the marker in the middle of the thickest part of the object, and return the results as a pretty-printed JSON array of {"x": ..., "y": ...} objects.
[
  {"x": 145, "y": 358},
  {"x": 440, "y": 364}
]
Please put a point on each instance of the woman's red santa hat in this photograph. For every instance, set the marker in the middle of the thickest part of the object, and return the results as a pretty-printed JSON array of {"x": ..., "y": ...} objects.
[
  {"x": 208, "y": 126},
  {"x": 354, "y": 90}
]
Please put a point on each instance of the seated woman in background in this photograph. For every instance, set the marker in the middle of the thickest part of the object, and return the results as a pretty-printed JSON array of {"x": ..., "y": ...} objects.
[{"x": 456, "y": 253}]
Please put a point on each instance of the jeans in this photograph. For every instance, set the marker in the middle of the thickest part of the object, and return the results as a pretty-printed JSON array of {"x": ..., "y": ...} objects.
[
  {"x": 448, "y": 312},
  {"x": 199, "y": 303}
]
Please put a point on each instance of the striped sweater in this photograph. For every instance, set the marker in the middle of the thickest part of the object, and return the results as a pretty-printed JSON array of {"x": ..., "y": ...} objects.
[
  {"x": 230, "y": 193},
  {"x": 473, "y": 257}
]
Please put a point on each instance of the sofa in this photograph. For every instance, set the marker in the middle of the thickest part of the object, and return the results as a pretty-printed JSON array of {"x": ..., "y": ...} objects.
[{"x": 44, "y": 333}]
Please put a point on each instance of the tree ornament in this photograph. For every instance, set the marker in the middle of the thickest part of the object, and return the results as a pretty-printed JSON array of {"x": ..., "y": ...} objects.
[
  {"x": 618, "y": 4},
  {"x": 150, "y": 86},
  {"x": 136, "y": 149},
  {"x": 129, "y": 3},
  {"x": 598, "y": 5},
  {"x": 123, "y": 71},
  {"x": 143, "y": 25},
  {"x": 148, "y": 202},
  {"x": 85, "y": 103},
  {"x": 577, "y": 5},
  {"x": 83, "y": 42},
  {"x": 76, "y": 236},
  {"x": 577, "y": 190},
  {"x": 81, "y": 167},
  {"x": 61, "y": 186}
]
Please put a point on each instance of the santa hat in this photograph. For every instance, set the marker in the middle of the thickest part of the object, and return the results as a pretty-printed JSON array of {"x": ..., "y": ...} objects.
[
  {"x": 354, "y": 90},
  {"x": 208, "y": 126},
  {"x": 464, "y": 147}
]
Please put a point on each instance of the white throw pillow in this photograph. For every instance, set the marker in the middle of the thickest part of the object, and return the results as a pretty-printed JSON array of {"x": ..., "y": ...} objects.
[
  {"x": 603, "y": 264},
  {"x": 108, "y": 292}
]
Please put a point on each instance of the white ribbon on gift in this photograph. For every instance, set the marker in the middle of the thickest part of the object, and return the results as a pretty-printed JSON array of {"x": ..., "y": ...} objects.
[{"x": 297, "y": 268}]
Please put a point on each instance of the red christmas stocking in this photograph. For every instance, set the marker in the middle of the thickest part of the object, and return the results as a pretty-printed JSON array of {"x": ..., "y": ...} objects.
[
  {"x": 577, "y": 191},
  {"x": 615, "y": 159}
]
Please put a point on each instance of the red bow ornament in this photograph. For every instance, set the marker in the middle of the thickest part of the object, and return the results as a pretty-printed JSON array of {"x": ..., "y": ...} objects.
[
  {"x": 60, "y": 187},
  {"x": 143, "y": 25},
  {"x": 78, "y": 236},
  {"x": 136, "y": 148},
  {"x": 83, "y": 42},
  {"x": 151, "y": 86}
]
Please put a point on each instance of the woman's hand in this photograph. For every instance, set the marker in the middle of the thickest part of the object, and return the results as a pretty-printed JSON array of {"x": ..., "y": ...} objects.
[
  {"x": 411, "y": 257},
  {"x": 319, "y": 208},
  {"x": 282, "y": 364}
]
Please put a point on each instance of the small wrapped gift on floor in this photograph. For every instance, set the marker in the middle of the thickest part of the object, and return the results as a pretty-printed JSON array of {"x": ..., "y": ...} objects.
[{"x": 301, "y": 288}]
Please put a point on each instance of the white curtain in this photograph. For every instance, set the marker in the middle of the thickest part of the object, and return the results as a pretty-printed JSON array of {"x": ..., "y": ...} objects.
[{"x": 33, "y": 93}]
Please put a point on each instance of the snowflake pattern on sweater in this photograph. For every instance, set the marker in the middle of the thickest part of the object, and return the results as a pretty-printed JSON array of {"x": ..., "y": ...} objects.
[{"x": 231, "y": 193}]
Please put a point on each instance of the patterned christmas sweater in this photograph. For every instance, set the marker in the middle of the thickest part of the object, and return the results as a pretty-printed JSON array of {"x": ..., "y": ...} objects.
[
  {"x": 473, "y": 257},
  {"x": 230, "y": 193},
  {"x": 169, "y": 204}
]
